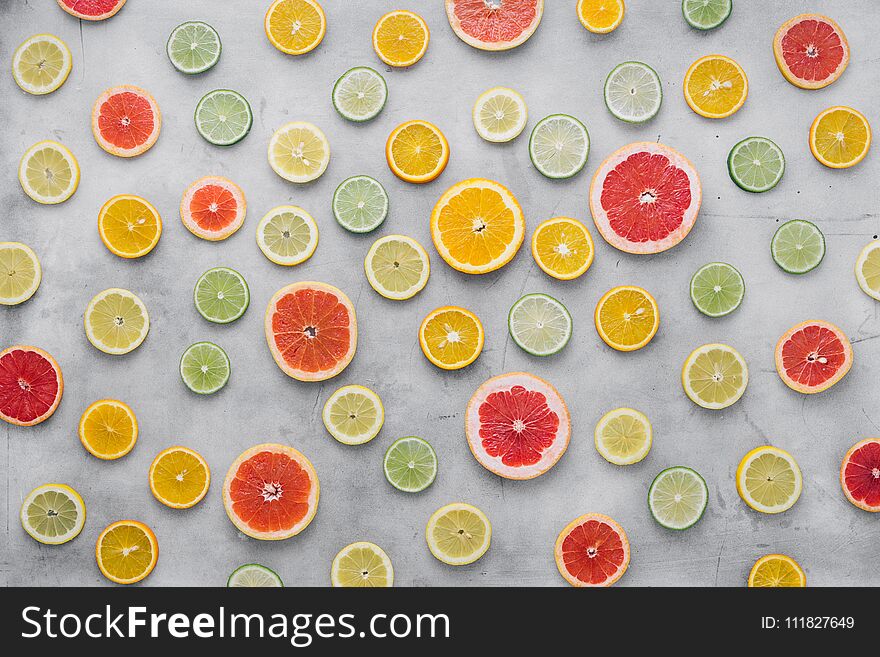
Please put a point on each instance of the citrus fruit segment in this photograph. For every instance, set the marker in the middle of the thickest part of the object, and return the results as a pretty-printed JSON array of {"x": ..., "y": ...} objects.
[
  {"x": 592, "y": 550},
  {"x": 563, "y": 248},
  {"x": 179, "y": 477},
  {"x": 360, "y": 94},
  {"x": 41, "y": 64},
  {"x": 401, "y": 38},
  {"x": 494, "y": 25},
  {"x": 714, "y": 376},
  {"x": 678, "y": 497},
  {"x": 299, "y": 152},
  {"x": 53, "y": 514},
  {"x": 126, "y": 551},
  {"x": 500, "y": 114},
  {"x": 717, "y": 289},
  {"x": 539, "y": 324},
  {"x": 360, "y": 204},
  {"x": 223, "y": 117},
  {"x": 253, "y": 575},
  {"x": 311, "y": 329},
  {"x": 458, "y": 534},
  {"x": 221, "y": 295},
  {"x": 601, "y": 16},
  {"x": 287, "y": 235},
  {"x": 517, "y": 425},
  {"x": 627, "y": 318},
  {"x": 20, "y": 273},
  {"x": 213, "y": 208},
  {"x": 271, "y": 492},
  {"x": 706, "y": 14},
  {"x": 633, "y": 92},
  {"x": 645, "y": 198},
  {"x": 559, "y": 146},
  {"x": 193, "y": 47},
  {"x": 30, "y": 385},
  {"x": 116, "y": 321},
  {"x": 295, "y": 27},
  {"x": 768, "y": 479},
  {"x": 798, "y": 246},
  {"x": 108, "y": 429},
  {"x": 811, "y": 51},
  {"x": 775, "y": 571},
  {"x": 756, "y": 164},
  {"x": 623, "y": 436},
  {"x": 126, "y": 121},
  {"x": 813, "y": 356},
  {"x": 417, "y": 151},
  {"x": 840, "y": 137},
  {"x": 715, "y": 86},
  {"x": 867, "y": 270},
  {"x": 410, "y": 464},
  {"x": 397, "y": 267},
  {"x": 477, "y": 226},
  {"x": 91, "y": 10},
  {"x": 204, "y": 368},
  {"x": 362, "y": 565},
  {"x": 860, "y": 474},
  {"x": 353, "y": 415},
  {"x": 451, "y": 337},
  {"x": 129, "y": 226},
  {"x": 48, "y": 172}
]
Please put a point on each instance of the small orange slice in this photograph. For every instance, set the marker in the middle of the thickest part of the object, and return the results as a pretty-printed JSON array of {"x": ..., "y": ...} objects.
[
  {"x": 417, "y": 151},
  {"x": 627, "y": 318},
  {"x": 563, "y": 248},
  {"x": 179, "y": 477},
  {"x": 451, "y": 337},
  {"x": 108, "y": 429},
  {"x": 295, "y": 27},
  {"x": 401, "y": 38},
  {"x": 777, "y": 570},
  {"x": 840, "y": 137},
  {"x": 126, "y": 551},
  {"x": 601, "y": 16},
  {"x": 715, "y": 86},
  {"x": 130, "y": 226}
]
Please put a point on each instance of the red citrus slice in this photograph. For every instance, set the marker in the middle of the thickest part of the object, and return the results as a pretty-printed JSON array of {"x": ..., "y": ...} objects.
[
  {"x": 311, "y": 329},
  {"x": 813, "y": 356},
  {"x": 517, "y": 425},
  {"x": 30, "y": 385},
  {"x": 91, "y": 10},
  {"x": 645, "y": 198},
  {"x": 592, "y": 550},
  {"x": 213, "y": 208},
  {"x": 811, "y": 51},
  {"x": 860, "y": 474},
  {"x": 126, "y": 121},
  {"x": 494, "y": 24},
  {"x": 271, "y": 492}
]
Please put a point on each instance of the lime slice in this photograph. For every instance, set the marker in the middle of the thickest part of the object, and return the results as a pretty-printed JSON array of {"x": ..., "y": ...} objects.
[
  {"x": 353, "y": 415},
  {"x": 360, "y": 94},
  {"x": 798, "y": 246},
  {"x": 20, "y": 273},
  {"x": 539, "y": 324},
  {"x": 254, "y": 575},
  {"x": 500, "y": 114},
  {"x": 717, "y": 289},
  {"x": 559, "y": 146},
  {"x": 193, "y": 47},
  {"x": 756, "y": 164},
  {"x": 706, "y": 14},
  {"x": 360, "y": 204},
  {"x": 287, "y": 235},
  {"x": 53, "y": 514},
  {"x": 397, "y": 267},
  {"x": 223, "y": 117},
  {"x": 623, "y": 436},
  {"x": 221, "y": 295},
  {"x": 633, "y": 92},
  {"x": 362, "y": 565},
  {"x": 678, "y": 497},
  {"x": 410, "y": 464},
  {"x": 204, "y": 368}
]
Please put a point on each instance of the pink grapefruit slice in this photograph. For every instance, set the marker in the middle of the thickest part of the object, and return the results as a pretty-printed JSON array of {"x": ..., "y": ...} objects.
[
  {"x": 494, "y": 24},
  {"x": 30, "y": 385},
  {"x": 91, "y": 10},
  {"x": 126, "y": 121},
  {"x": 213, "y": 208},
  {"x": 813, "y": 356},
  {"x": 592, "y": 550},
  {"x": 860, "y": 474},
  {"x": 811, "y": 51}
]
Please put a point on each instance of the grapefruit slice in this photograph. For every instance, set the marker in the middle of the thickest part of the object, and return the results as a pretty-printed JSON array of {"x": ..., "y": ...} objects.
[
  {"x": 517, "y": 425},
  {"x": 592, "y": 550},
  {"x": 30, "y": 385},
  {"x": 813, "y": 356},
  {"x": 811, "y": 51},
  {"x": 271, "y": 492},
  {"x": 645, "y": 198},
  {"x": 213, "y": 208},
  {"x": 860, "y": 474},
  {"x": 494, "y": 24},
  {"x": 126, "y": 121},
  {"x": 311, "y": 329},
  {"x": 91, "y": 10}
]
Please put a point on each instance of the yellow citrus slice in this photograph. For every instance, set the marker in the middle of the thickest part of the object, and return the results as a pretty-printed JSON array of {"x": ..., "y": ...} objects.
[
  {"x": 401, "y": 38},
  {"x": 451, "y": 337},
  {"x": 108, "y": 429},
  {"x": 179, "y": 477},
  {"x": 715, "y": 86},
  {"x": 500, "y": 114},
  {"x": 295, "y": 27},
  {"x": 130, "y": 226},
  {"x": 41, "y": 64},
  {"x": 362, "y": 565},
  {"x": 600, "y": 16},
  {"x": 287, "y": 235},
  {"x": 867, "y": 270},
  {"x": 775, "y": 571},
  {"x": 840, "y": 137},
  {"x": 20, "y": 273},
  {"x": 623, "y": 436},
  {"x": 53, "y": 514},
  {"x": 769, "y": 480},
  {"x": 48, "y": 172},
  {"x": 563, "y": 248},
  {"x": 299, "y": 152},
  {"x": 458, "y": 534},
  {"x": 417, "y": 151},
  {"x": 627, "y": 317},
  {"x": 126, "y": 551},
  {"x": 714, "y": 376},
  {"x": 397, "y": 267},
  {"x": 116, "y": 321},
  {"x": 353, "y": 415}
]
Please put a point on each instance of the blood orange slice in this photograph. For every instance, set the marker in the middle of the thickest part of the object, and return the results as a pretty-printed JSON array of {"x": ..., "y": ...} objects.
[
  {"x": 592, "y": 550},
  {"x": 213, "y": 208},
  {"x": 645, "y": 198},
  {"x": 494, "y": 24},
  {"x": 91, "y": 10},
  {"x": 126, "y": 121},
  {"x": 517, "y": 425},
  {"x": 30, "y": 385},
  {"x": 811, "y": 51},
  {"x": 311, "y": 329},
  {"x": 271, "y": 492},
  {"x": 813, "y": 356},
  {"x": 860, "y": 474}
]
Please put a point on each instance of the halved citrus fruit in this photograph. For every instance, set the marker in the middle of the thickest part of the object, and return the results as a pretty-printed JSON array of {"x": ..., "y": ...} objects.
[
  {"x": 840, "y": 137},
  {"x": 776, "y": 570},
  {"x": 458, "y": 534},
  {"x": 108, "y": 429},
  {"x": 41, "y": 64},
  {"x": 213, "y": 208},
  {"x": 91, "y": 10},
  {"x": 53, "y": 514},
  {"x": 868, "y": 270},
  {"x": 126, "y": 121},
  {"x": 811, "y": 51},
  {"x": 494, "y": 25},
  {"x": 812, "y": 356},
  {"x": 20, "y": 273},
  {"x": 129, "y": 226},
  {"x": 715, "y": 86},
  {"x": 592, "y": 550},
  {"x": 397, "y": 267},
  {"x": 299, "y": 152},
  {"x": 451, "y": 337},
  {"x": 600, "y": 16},
  {"x": 714, "y": 376},
  {"x": 645, "y": 198},
  {"x": 311, "y": 329},
  {"x": 116, "y": 321},
  {"x": 860, "y": 474},
  {"x": 563, "y": 248},
  {"x": 179, "y": 477},
  {"x": 362, "y": 565},
  {"x": 48, "y": 172},
  {"x": 295, "y": 27},
  {"x": 287, "y": 235},
  {"x": 271, "y": 492},
  {"x": 769, "y": 480},
  {"x": 30, "y": 385},
  {"x": 417, "y": 151},
  {"x": 627, "y": 318},
  {"x": 126, "y": 551},
  {"x": 401, "y": 38}
]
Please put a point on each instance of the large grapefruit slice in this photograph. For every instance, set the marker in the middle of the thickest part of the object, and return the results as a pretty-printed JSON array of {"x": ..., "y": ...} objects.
[
  {"x": 271, "y": 492},
  {"x": 312, "y": 330},
  {"x": 494, "y": 24},
  {"x": 30, "y": 385},
  {"x": 91, "y": 10},
  {"x": 645, "y": 198},
  {"x": 860, "y": 474},
  {"x": 811, "y": 51},
  {"x": 517, "y": 425},
  {"x": 213, "y": 208},
  {"x": 126, "y": 121},
  {"x": 592, "y": 550},
  {"x": 813, "y": 356}
]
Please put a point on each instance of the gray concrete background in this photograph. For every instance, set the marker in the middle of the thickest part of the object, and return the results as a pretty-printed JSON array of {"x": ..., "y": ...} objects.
[{"x": 561, "y": 69}]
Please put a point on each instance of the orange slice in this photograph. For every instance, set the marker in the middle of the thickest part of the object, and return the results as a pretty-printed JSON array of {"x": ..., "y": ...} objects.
[
  {"x": 600, "y": 16},
  {"x": 401, "y": 38},
  {"x": 563, "y": 248},
  {"x": 715, "y": 86},
  {"x": 777, "y": 570},
  {"x": 295, "y": 27},
  {"x": 108, "y": 429},
  {"x": 126, "y": 121},
  {"x": 126, "y": 551},
  {"x": 179, "y": 477},
  {"x": 417, "y": 151},
  {"x": 451, "y": 337},
  {"x": 130, "y": 226},
  {"x": 627, "y": 318},
  {"x": 840, "y": 137}
]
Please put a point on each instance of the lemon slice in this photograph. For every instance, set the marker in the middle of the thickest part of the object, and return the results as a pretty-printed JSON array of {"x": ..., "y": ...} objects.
[
  {"x": 623, "y": 436},
  {"x": 53, "y": 514},
  {"x": 867, "y": 270},
  {"x": 353, "y": 415},
  {"x": 397, "y": 267},
  {"x": 108, "y": 429},
  {"x": 116, "y": 321},
  {"x": 48, "y": 172},
  {"x": 362, "y": 565},
  {"x": 299, "y": 152},
  {"x": 714, "y": 376},
  {"x": 287, "y": 235},
  {"x": 769, "y": 480},
  {"x": 20, "y": 273},
  {"x": 458, "y": 534},
  {"x": 500, "y": 114},
  {"x": 777, "y": 571},
  {"x": 41, "y": 64}
]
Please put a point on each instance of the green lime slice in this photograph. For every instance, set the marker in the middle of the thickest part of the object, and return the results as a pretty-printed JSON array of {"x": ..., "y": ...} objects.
[
  {"x": 410, "y": 464},
  {"x": 360, "y": 204},
  {"x": 193, "y": 47},
  {"x": 559, "y": 146},
  {"x": 223, "y": 117},
  {"x": 221, "y": 295},
  {"x": 360, "y": 94},
  {"x": 756, "y": 164},
  {"x": 717, "y": 289},
  {"x": 798, "y": 246},
  {"x": 678, "y": 497},
  {"x": 204, "y": 368},
  {"x": 633, "y": 92},
  {"x": 706, "y": 14},
  {"x": 254, "y": 575},
  {"x": 539, "y": 324}
]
